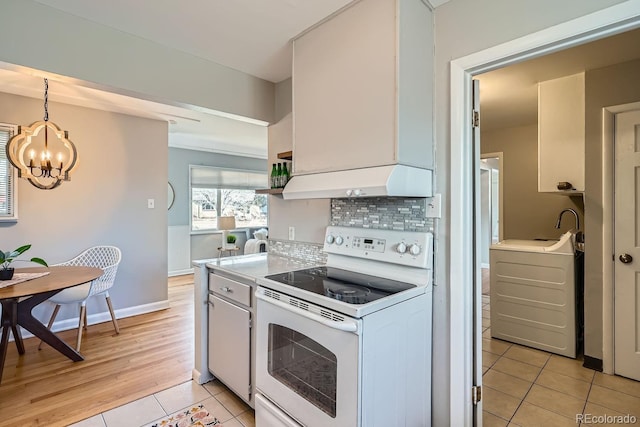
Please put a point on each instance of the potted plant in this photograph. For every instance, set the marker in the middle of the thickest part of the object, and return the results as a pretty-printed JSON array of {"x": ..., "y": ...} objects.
[
  {"x": 231, "y": 241},
  {"x": 6, "y": 258}
]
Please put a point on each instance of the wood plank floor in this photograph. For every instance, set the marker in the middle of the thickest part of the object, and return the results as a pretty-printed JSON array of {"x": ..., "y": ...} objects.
[{"x": 153, "y": 352}]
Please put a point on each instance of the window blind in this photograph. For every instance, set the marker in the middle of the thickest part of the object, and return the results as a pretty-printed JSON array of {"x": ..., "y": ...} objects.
[
  {"x": 211, "y": 177},
  {"x": 7, "y": 184}
]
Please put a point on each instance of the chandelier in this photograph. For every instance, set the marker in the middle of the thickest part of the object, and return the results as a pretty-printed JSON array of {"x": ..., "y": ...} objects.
[{"x": 44, "y": 163}]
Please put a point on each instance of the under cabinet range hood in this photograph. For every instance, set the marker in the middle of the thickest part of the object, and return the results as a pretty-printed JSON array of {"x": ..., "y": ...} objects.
[{"x": 393, "y": 181}]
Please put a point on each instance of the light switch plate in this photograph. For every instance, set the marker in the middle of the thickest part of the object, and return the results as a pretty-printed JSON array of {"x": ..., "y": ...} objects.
[
  {"x": 434, "y": 206},
  {"x": 292, "y": 233},
  {"x": 151, "y": 203}
]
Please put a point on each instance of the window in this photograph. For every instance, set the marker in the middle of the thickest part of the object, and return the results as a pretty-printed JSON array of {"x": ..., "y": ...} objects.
[
  {"x": 226, "y": 192},
  {"x": 8, "y": 175}
]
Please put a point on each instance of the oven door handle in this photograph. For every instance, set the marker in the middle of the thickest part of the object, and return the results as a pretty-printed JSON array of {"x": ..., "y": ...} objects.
[{"x": 345, "y": 327}]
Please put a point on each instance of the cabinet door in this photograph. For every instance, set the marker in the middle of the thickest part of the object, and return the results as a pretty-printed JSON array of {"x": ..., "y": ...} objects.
[
  {"x": 229, "y": 345},
  {"x": 344, "y": 91},
  {"x": 561, "y": 133}
]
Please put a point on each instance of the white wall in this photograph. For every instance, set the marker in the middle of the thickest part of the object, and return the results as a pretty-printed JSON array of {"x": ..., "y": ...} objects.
[
  {"x": 464, "y": 27},
  {"x": 122, "y": 163}
]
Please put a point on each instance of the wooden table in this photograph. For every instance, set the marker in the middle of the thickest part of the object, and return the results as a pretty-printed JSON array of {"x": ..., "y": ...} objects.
[
  {"x": 230, "y": 250},
  {"x": 17, "y": 312}
]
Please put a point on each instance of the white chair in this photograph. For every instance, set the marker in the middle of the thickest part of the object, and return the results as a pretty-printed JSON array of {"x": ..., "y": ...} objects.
[{"x": 105, "y": 257}]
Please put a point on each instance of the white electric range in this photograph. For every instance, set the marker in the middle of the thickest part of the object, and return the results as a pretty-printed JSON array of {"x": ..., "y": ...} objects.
[{"x": 349, "y": 343}]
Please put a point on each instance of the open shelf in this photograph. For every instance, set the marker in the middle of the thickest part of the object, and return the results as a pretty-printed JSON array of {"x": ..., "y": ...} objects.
[
  {"x": 269, "y": 191},
  {"x": 286, "y": 155}
]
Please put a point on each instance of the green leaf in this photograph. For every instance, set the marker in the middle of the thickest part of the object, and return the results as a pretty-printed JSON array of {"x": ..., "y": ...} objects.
[
  {"x": 22, "y": 249},
  {"x": 39, "y": 261}
]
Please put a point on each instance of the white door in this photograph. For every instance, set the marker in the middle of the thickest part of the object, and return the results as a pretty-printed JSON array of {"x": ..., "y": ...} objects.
[
  {"x": 627, "y": 245},
  {"x": 477, "y": 242}
]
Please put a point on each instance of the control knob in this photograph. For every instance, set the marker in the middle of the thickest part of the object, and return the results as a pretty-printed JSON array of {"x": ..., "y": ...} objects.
[
  {"x": 401, "y": 248},
  {"x": 349, "y": 193},
  {"x": 339, "y": 240},
  {"x": 415, "y": 249},
  {"x": 357, "y": 192},
  {"x": 330, "y": 239}
]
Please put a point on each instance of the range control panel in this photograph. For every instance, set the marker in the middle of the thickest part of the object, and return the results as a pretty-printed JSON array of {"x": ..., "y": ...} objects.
[{"x": 400, "y": 247}]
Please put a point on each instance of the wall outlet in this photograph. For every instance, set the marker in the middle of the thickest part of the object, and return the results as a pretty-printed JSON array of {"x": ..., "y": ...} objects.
[
  {"x": 292, "y": 233},
  {"x": 434, "y": 206},
  {"x": 151, "y": 203}
]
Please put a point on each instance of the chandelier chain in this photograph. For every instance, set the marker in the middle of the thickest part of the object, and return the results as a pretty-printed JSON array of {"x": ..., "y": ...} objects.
[{"x": 46, "y": 100}]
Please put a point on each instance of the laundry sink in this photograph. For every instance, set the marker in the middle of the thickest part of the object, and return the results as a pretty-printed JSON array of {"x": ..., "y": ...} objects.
[
  {"x": 564, "y": 245},
  {"x": 533, "y": 293}
]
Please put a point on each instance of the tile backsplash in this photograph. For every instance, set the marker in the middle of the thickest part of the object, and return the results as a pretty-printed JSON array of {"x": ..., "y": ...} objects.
[
  {"x": 390, "y": 213},
  {"x": 301, "y": 250}
]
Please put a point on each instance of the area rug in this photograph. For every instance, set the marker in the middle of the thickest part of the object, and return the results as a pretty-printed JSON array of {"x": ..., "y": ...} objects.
[{"x": 196, "y": 416}]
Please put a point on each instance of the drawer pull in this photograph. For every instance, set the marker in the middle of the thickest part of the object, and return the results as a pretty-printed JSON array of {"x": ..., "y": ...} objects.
[{"x": 226, "y": 289}]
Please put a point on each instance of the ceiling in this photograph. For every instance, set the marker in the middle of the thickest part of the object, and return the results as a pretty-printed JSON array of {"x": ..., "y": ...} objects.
[{"x": 509, "y": 95}]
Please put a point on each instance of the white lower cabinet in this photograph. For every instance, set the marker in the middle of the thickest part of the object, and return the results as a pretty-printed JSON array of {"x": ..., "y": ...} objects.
[{"x": 230, "y": 345}]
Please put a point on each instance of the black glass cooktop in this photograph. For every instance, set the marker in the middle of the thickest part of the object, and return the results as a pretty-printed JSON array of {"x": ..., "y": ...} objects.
[{"x": 342, "y": 285}]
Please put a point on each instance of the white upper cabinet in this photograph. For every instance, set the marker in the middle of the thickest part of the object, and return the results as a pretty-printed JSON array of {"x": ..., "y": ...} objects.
[
  {"x": 561, "y": 134},
  {"x": 363, "y": 89}
]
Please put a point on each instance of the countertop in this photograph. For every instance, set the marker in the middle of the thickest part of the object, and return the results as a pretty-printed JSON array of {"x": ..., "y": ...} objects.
[{"x": 250, "y": 267}]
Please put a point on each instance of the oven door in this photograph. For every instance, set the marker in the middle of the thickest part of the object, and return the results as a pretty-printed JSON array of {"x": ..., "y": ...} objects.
[{"x": 307, "y": 364}]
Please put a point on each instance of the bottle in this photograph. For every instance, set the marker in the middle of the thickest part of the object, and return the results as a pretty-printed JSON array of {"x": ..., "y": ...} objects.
[
  {"x": 279, "y": 176},
  {"x": 285, "y": 174},
  {"x": 274, "y": 176}
]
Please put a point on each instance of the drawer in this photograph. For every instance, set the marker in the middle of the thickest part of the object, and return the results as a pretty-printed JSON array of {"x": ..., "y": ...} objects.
[{"x": 236, "y": 291}]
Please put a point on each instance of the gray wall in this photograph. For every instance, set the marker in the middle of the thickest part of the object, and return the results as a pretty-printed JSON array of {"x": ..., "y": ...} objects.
[
  {"x": 104, "y": 203},
  {"x": 283, "y": 99},
  {"x": 71, "y": 46},
  {"x": 527, "y": 214},
  {"x": 464, "y": 27},
  {"x": 308, "y": 217},
  {"x": 608, "y": 86}
]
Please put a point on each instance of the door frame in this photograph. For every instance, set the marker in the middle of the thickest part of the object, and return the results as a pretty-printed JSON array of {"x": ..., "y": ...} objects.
[
  {"x": 500, "y": 156},
  {"x": 462, "y": 334},
  {"x": 608, "y": 231}
]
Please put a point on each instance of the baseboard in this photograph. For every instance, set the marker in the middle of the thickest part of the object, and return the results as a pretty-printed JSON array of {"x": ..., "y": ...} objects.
[
  {"x": 180, "y": 272},
  {"x": 592, "y": 363},
  {"x": 66, "y": 324},
  {"x": 201, "y": 378}
]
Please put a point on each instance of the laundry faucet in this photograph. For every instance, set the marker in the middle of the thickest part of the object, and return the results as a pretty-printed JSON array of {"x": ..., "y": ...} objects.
[{"x": 574, "y": 214}]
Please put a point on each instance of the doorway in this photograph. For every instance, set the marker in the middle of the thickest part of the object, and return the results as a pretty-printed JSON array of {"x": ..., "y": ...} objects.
[
  {"x": 490, "y": 210},
  {"x": 464, "y": 240}
]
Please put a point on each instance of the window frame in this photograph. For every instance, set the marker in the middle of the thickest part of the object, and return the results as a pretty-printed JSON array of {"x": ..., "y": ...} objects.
[
  {"x": 12, "y": 177},
  {"x": 218, "y": 195}
]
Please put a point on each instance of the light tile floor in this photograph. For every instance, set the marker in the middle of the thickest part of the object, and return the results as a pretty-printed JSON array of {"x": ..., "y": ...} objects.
[
  {"x": 220, "y": 402},
  {"x": 521, "y": 387},
  {"x": 527, "y": 387}
]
